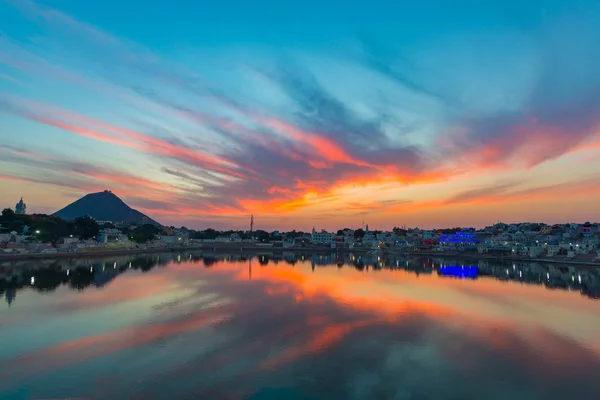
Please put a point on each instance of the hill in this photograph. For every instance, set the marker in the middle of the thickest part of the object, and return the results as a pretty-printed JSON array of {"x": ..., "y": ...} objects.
[{"x": 104, "y": 206}]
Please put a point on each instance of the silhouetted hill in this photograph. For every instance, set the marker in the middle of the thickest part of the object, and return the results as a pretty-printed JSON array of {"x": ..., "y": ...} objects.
[{"x": 104, "y": 206}]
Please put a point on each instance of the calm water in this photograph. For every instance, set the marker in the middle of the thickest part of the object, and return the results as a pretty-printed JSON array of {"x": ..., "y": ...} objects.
[{"x": 316, "y": 327}]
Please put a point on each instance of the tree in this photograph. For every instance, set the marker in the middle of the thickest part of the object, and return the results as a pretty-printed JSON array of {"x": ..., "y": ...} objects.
[
  {"x": 262, "y": 236},
  {"x": 8, "y": 215},
  {"x": 359, "y": 233},
  {"x": 295, "y": 234},
  {"x": 144, "y": 233},
  {"x": 49, "y": 229},
  {"x": 399, "y": 231},
  {"x": 341, "y": 231},
  {"x": 210, "y": 234},
  {"x": 86, "y": 227}
]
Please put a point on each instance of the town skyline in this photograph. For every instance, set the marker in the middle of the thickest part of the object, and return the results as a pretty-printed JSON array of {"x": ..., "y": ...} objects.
[{"x": 461, "y": 117}]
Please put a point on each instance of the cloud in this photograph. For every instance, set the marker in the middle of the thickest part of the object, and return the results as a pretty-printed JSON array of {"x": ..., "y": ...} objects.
[
  {"x": 504, "y": 192},
  {"x": 374, "y": 205},
  {"x": 84, "y": 177},
  {"x": 399, "y": 69},
  {"x": 59, "y": 182},
  {"x": 100, "y": 131},
  {"x": 9, "y": 78},
  {"x": 16, "y": 150},
  {"x": 476, "y": 194},
  {"x": 560, "y": 113},
  {"x": 318, "y": 111}
]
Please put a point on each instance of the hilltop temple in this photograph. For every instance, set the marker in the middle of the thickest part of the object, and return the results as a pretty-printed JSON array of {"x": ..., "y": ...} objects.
[{"x": 21, "y": 208}]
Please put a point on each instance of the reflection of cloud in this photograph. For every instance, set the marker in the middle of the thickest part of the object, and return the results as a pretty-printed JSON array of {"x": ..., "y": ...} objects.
[
  {"x": 77, "y": 351},
  {"x": 291, "y": 327}
]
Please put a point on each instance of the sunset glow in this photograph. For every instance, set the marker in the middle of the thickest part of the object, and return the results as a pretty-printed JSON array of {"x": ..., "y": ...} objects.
[{"x": 432, "y": 120}]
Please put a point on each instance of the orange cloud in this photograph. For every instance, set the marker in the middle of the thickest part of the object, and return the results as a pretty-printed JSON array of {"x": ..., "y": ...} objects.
[
  {"x": 12, "y": 178},
  {"x": 325, "y": 147},
  {"x": 83, "y": 132}
]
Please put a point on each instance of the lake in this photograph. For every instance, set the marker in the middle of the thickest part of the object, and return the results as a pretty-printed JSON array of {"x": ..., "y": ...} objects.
[{"x": 192, "y": 325}]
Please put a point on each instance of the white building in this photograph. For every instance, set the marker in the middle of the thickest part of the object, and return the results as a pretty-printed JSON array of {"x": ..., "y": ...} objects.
[
  {"x": 321, "y": 238},
  {"x": 110, "y": 235}
]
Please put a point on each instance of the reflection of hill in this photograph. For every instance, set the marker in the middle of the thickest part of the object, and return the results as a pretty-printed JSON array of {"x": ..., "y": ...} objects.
[
  {"x": 47, "y": 280},
  {"x": 80, "y": 279},
  {"x": 103, "y": 276},
  {"x": 76, "y": 274}
]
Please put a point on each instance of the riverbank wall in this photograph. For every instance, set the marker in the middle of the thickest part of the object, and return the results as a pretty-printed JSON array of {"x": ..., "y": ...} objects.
[{"x": 217, "y": 247}]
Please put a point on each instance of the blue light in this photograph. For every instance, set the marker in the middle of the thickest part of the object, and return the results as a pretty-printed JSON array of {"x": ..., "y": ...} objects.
[
  {"x": 459, "y": 237},
  {"x": 469, "y": 271}
]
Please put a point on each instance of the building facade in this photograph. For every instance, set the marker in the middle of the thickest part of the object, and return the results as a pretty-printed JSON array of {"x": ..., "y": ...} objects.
[{"x": 321, "y": 238}]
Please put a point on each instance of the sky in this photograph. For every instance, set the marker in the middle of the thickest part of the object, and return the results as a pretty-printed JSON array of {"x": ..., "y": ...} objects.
[{"x": 326, "y": 114}]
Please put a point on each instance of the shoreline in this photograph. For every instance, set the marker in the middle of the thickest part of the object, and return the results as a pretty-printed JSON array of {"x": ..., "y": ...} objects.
[
  {"x": 224, "y": 249},
  {"x": 260, "y": 249}
]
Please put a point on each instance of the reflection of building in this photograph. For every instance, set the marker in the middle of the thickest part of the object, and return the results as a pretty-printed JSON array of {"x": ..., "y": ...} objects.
[
  {"x": 459, "y": 271},
  {"x": 11, "y": 294},
  {"x": 21, "y": 207}
]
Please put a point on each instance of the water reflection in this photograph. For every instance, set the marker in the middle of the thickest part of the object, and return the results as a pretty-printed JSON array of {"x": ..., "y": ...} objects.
[
  {"x": 194, "y": 325},
  {"x": 78, "y": 274}
]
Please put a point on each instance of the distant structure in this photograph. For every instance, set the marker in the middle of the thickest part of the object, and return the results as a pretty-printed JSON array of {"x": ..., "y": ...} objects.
[
  {"x": 21, "y": 207},
  {"x": 251, "y": 224}
]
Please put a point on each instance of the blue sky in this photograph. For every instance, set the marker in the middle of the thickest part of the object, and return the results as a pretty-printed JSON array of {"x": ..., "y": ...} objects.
[{"x": 328, "y": 112}]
